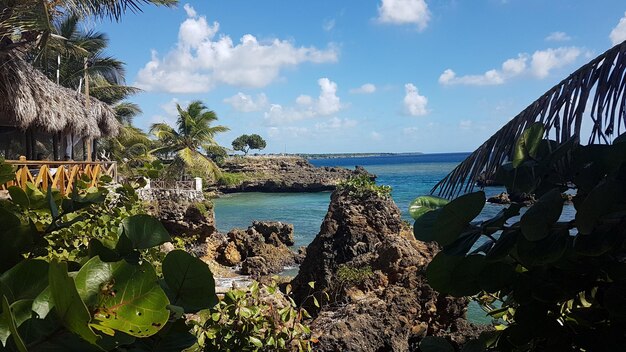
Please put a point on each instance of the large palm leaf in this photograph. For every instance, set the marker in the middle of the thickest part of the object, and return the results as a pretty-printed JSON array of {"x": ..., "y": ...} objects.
[{"x": 600, "y": 83}]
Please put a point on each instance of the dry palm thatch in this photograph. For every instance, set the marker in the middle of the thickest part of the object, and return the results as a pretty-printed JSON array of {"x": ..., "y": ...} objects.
[
  {"x": 562, "y": 109},
  {"x": 31, "y": 100}
]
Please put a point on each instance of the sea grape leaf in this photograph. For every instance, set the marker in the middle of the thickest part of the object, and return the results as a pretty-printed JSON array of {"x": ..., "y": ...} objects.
[
  {"x": 190, "y": 281},
  {"x": 599, "y": 202},
  {"x": 25, "y": 280},
  {"x": 456, "y": 216},
  {"x": 528, "y": 144},
  {"x": 424, "y": 226},
  {"x": 68, "y": 305},
  {"x": 547, "y": 250},
  {"x": 538, "y": 220},
  {"x": 7, "y": 173},
  {"x": 464, "y": 243},
  {"x": 439, "y": 271},
  {"x": 474, "y": 346},
  {"x": 144, "y": 231},
  {"x": 8, "y": 327},
  {"x": 421, "y": 205},
  {"x": 43, "y": 303},
  {"x": 19, "y": 197},
  {"x": 435, "y": 344},
  {"x": 465, "y": 276},
  {"x": 503, "y": 245},
  {"x": 125, "y": 297}
]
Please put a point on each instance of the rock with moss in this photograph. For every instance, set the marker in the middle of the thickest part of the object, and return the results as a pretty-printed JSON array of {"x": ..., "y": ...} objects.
[
  {"x": 371, "y": 270},
  {"x": 186, "y": 219}
]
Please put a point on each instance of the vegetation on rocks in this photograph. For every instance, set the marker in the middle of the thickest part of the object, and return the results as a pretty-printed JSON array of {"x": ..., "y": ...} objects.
[
  {"x": 245, "y": 143},
  {"x": 551, "y": 285},
  {"x": 362, "y": 185}
]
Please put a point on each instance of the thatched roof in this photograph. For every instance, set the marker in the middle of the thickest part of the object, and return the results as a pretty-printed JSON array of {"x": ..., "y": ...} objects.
[
  {"x": 30, "y": 100},
  {"x": 595, "y": 93}
]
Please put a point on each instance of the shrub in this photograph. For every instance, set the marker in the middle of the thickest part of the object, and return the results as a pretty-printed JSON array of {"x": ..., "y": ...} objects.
[
  {"x": 552, "y": 285},
  {"x": 259, "y": 318},
  {"x": 363, "y": 185}
]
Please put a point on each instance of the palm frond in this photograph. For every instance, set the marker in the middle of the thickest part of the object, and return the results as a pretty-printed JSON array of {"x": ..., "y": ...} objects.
[
  {"x": 561, "y": 109},
  {"x": 199, "y": 164}
]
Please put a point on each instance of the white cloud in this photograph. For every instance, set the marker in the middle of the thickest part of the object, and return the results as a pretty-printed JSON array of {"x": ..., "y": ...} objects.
[
  {"x": 539, "y": 64},
  {"x": 546, "y": 60},
  {"x": 304, "y": 100},
  {"x": 169, "y": 114},
  {"x": 328, "y": 25},
  {"x": 367, "y": 88},
  {"x": 289, "y": 131},
  {"x": 558, "y": 37},
  {"x": 336, "y": 123},
  {"x": 326, "y": 104},
  {"x": 201, "y": 59},
  {"x": 618, "y": 34},
  {"x": 376, "y": 136},
  {"x": 246, "y": 103},
  {"x": 414, "y": 103},
  {"x": 409, "y": 131},
  {"x": 404, "y": 12}
]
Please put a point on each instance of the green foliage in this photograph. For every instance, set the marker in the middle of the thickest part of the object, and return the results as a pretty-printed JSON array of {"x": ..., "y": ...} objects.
[
  {"x": 362, "y": 185},
  {"x": 349, "y": 274},
  {"x": 550, "y": 285},
  {"x": 65, "y": 286},
  {"x": 260, "y": 318},
  {"x": 246, "y": 142}
]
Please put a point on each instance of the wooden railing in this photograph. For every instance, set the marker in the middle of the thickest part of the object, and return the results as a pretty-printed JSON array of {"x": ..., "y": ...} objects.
[{"x": 58, "y": 174}]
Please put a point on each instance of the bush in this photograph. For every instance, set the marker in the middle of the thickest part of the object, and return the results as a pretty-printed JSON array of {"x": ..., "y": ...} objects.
[
  {"x": 59, "y": 293},
  {"x": 259, "y": 318},
  {"x": 363, "y": 185},
  {"x": 551, "y": 285}
]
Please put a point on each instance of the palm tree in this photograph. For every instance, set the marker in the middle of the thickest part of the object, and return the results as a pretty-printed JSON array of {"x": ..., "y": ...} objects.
[
  {"x": 194, "y": 133},
  {"x": 23, "y": 22},
  {"x": 562, "y": 110}
]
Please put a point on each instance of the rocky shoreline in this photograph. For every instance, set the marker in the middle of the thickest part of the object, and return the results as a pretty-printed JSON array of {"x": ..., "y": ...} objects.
[{"x": 280, "y": 174}]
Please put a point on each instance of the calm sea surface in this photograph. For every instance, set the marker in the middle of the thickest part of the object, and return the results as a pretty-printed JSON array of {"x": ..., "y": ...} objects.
[{"x": 408, "y": 175}]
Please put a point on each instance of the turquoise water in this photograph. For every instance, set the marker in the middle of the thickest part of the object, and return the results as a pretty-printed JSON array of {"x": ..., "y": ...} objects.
[{"x": 408, "y": 175}]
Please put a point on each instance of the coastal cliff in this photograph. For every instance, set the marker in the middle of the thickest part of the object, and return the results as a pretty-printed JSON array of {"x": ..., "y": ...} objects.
[{"x": 280, "y": 174}]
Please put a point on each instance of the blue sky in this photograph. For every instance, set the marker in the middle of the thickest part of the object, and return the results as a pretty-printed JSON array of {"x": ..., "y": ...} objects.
[{"x": 359, "y": 76}]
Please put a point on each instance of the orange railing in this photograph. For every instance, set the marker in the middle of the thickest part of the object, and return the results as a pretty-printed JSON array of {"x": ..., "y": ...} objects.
[{"x": 58, "y": 174}]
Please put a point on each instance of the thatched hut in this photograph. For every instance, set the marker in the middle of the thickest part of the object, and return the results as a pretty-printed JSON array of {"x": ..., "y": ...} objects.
[{"x": 33, "y": 108}]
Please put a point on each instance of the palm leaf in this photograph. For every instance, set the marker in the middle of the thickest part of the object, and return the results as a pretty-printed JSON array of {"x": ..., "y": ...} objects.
[{"x": 561, "y": 110}]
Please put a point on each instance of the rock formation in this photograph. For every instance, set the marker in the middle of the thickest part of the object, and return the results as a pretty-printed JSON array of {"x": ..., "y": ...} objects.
[
  {"x": 261, "y": 249},
  {"x": 372, "y": 269},
  {"x": 182, "y": 218},
  {"x": 282, "y": 174}
]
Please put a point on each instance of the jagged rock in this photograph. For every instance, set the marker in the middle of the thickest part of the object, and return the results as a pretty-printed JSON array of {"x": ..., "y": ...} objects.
[
  {"x": 230, "y": 255},
  {"x": 283, "y": 231},
  {"x": 502, "y": 198},
  {"x": 372, "y": 268},
  {"x": 184, "y": 218},
  {"x": 283, "y": 174},
  {"x": 255, "y": 266},
  {"x": 300, "y": 255}
]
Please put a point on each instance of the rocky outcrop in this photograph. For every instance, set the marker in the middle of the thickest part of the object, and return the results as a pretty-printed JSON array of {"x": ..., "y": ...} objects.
[
  {"x": 372, "y": 269},
  {"x": 183, "y": 218},
  {"x": 281, "y": 174},
  {"x": 261, "y": 249}
]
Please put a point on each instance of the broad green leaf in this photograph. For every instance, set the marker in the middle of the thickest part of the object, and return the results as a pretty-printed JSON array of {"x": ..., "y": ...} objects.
[
  {"x": 190, "y": 281},
  {"x": 423, "y": 228},
  {"x": 439, "y": 271},
  {"x": 462, "y": 245},
  {"x": 456, "y": 216},
  {"x": 424, "y": 204},
  {"x": 54, "y": 209},
  {"x": 537, "y": 222},
  {"x": 25, "y": 280},
  {"x": 145, "y": 231},
  {"x": 545, "y": 251},
  {"x": 43, "y": 303},
  {"x": 599, "y": 202},
  {"x": 465, "y": 276},
  {"x": 528, "y": 144},
  {"x": 255, "y": 341},
  {"x": 435, "y": 344},
  {"x": 474, "y": 346},
  {"x": 123, "y": 297},
  {"x": 68, "y": 305},
  {"x": 503, "y": 245},
  {"x": 8, "y": 219},
  {"x": 7, "y": 172},
  {"x": 18, "y": 196},
  {"x": 496, "y": 276},
  {"x": 7, "y": 321},
  {"x": 106, "y": 254}
]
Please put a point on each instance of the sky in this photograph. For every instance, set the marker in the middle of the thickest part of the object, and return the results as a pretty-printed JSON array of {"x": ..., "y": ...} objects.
[{"x": 330, "y": 76}]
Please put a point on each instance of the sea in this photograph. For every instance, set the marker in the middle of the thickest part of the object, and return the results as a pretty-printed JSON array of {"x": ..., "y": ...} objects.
[{"x": 409, "y": 175}]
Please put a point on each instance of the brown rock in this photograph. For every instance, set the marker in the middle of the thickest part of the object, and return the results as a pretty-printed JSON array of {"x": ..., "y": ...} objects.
[{"x": 230, "y": 255}]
